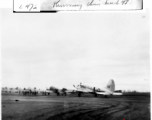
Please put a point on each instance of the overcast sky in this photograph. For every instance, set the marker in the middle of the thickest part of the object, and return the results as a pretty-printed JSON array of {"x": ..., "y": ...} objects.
[{"x": 43, "y": 50}]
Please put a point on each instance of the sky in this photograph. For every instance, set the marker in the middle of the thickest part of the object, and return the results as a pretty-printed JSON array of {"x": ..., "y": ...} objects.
[{"x": 62, "y": 50}]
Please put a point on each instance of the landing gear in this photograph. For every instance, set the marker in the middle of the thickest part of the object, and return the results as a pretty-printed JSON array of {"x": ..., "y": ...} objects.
[
  {"x": 58, "y": 94},
  {"x": 105, "y": 96},
  {"x": 95, "y": 95},
  {"x": 79, "y": 94}
]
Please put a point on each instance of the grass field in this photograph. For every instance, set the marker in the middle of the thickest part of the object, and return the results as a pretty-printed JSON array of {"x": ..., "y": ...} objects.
[{"x": 72, "y": 107}]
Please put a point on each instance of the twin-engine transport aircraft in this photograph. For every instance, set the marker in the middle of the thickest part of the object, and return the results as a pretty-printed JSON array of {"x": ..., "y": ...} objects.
[
  {"x": 59, "y": 92},
  {"x": 108, "y": 90}
]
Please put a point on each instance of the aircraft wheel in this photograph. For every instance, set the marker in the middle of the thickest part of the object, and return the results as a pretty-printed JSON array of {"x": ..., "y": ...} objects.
[
  {"x": 79, "y": 94},
  {"x": 105, "y": 96},
  {"x": 58, "y": 94}
]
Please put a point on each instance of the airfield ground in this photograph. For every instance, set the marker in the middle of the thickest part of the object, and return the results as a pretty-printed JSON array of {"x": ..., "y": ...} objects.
[{"x": 74, "y": 108}]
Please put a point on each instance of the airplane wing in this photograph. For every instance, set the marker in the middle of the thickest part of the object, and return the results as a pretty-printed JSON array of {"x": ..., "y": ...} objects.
[
  {"x": 105, "y": 93},
  {"x": 102, "y": 93},
  {"x": 70, "y": 91},
  {"x": 49, "y": 91},
  {"x": 116, "y": 93}
]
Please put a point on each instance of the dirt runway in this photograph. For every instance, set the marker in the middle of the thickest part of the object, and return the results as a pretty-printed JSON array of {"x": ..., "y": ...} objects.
[{"x": 75, "y": 108}]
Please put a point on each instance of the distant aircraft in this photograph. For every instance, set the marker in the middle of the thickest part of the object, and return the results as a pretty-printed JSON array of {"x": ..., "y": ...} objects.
[
  {"x": 59, "y": 92},
  {"x": 28, "y": 91},
  {"x": 106, "y": 91}
]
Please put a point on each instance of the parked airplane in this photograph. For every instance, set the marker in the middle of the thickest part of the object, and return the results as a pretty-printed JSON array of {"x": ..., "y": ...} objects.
[
  {"x": 108, "y": 90},
  {"x": 29, "y": 91},
  {"x": 59, "y": 92},
  {"x": 10, "y": 90}
]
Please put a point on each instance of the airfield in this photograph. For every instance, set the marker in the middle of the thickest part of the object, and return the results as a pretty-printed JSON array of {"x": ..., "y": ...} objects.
[{"x": 71, "y": 107}]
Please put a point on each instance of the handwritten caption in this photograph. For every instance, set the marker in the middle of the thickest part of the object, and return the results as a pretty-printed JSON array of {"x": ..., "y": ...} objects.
[
  {"x": 29, "y": 7},
  {"x": 59, "y": 4},
  {"x": 38, "y": 5}
]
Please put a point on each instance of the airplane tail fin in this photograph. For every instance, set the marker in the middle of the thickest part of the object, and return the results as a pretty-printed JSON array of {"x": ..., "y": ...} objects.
[{"x": 111, "y": 85}]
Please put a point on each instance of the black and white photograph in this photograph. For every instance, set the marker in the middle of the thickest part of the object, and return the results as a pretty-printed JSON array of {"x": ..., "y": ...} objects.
[{"x": 75, "y": 66}]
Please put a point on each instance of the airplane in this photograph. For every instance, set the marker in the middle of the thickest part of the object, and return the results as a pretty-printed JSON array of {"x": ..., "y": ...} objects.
[
  {"x": 29, "y": 91},
  {"x": 59, "y": 92},
  {"x": 106, "y": 91},
  {"x": 11, "y": 90}
]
